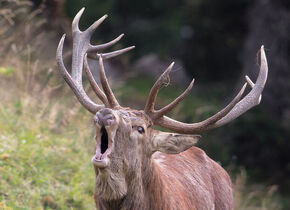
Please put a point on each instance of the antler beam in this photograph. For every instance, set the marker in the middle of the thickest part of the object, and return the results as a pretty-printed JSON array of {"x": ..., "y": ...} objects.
[
  {"x": 149, "y": 107},
  {"x": 233, "y": 110},
  {"x": 82, "y": 46}
]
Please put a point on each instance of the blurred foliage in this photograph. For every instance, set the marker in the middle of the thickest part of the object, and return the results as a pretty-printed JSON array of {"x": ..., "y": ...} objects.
[
  {"x": 6, "y": 71},
  {"x": 266, "y": 146},
  {"x": 206, "y": 35}
]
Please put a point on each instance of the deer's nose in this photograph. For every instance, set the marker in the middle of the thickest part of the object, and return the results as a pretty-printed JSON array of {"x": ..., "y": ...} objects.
[{"x": 105, "y": 117}]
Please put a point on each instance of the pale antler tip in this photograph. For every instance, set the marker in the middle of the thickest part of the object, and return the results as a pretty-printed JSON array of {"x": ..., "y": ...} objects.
[
  {"x": 104, "y": 16},
  {"x": 63, "y": 37},
  {"x": 101, "y": 19},
  {"x": 81, "y": 10},
  {"x": 249, "y": 81},
  {"x": 60, "y": 47},
  {"x": 263, "y": 55},
  {"x": 168, "y": 70},
  {"x": 120, "y": 36},
  {"x": 262, "y": 49},
  {"x": 95, "y": 25},
  {"x": 76, "y": 20},
  {"x": 244, "y": 87},
  {"x": 191, "y": 84},
  {"x": 263, "y": 66},
  {"x": 192, "y": 81},
  {"x": 131, "y": 47}
]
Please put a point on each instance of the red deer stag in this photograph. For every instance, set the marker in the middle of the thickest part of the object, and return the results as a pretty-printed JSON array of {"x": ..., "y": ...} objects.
[{"x": 137, "y": 167}]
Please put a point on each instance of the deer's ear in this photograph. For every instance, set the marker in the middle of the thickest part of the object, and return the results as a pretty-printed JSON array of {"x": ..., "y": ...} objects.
[{"x": 173, "y": 143}]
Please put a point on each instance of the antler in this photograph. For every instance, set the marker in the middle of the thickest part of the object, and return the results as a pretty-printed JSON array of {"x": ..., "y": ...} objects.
[
  {"x": 81, "y": 47},
  {"x": 149, "y": 107},
  {"x": 233, "y": 110}
]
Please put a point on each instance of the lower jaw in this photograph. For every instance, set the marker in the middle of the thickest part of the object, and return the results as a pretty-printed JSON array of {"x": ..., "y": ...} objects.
[{"x": 103, "y": 163}]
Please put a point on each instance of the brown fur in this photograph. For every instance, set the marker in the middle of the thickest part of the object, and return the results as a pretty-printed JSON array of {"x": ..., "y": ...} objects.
[{"x": 140, "y": 178}]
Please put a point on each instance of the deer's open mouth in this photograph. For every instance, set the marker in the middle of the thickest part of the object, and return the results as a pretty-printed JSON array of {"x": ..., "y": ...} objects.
[{"x": 103, "y": 149}]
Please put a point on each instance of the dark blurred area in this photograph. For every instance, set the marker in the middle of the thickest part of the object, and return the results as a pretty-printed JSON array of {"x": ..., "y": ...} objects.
[{"x": 217, "y": 42}]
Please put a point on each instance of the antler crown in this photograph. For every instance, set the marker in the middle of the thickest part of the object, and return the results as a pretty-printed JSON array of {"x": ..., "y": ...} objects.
[{"x": 83, "y": 49}]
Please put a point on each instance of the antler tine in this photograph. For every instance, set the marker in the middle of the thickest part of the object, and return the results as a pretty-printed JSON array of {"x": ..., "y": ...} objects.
[
  {"x": 81, "y": 43},
  {"x": 76, "y": 20},
  {"x": 174, "y": 103},
  {"x": 94, "y": 84},
  {"x": 95, "y": 25},
  {"x": 82, "y": 46},
  {"x": 110, "y": 54},
  {"x": 149, "y": 107},
  {"x": 105, "y": 84},
  {"x": 95, "y": 48},
  {"x": 200, "y": 126},
  {"x": 79, "y": 92},
  {"x": 253, "y": 98},
  {"x": 236, "y": 108},
  {"x": 249, "y": 81}
]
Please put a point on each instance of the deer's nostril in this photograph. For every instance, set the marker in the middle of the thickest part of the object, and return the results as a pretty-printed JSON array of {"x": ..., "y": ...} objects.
[
  {"x": 105, "y": 117},
  {"x": 105, "y": 111}
]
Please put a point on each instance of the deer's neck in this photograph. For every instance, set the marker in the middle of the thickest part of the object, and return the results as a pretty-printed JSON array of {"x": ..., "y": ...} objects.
[
  {"x": 144, "y": 190},
  {"x": 154, "y": 187}
]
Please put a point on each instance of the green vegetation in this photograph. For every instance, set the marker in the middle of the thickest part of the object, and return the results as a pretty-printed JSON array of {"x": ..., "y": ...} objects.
[{"x": 41, "y": 165}]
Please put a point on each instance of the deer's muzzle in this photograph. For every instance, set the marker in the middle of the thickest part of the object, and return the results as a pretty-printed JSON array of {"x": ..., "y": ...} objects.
[
  {"x": 105, "y": 117},
  {"x": 106, "y": 122}
]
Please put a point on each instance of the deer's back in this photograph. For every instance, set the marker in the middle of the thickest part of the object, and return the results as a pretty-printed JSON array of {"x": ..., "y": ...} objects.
[{"x": 194, "y": 181}]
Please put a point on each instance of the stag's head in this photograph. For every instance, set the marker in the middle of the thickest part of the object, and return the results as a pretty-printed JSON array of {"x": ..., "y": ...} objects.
[{"x": 124, "y": 136}]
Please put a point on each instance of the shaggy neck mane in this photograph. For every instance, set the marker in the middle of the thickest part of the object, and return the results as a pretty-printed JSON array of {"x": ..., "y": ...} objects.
[{"x": 145, "y": 190}]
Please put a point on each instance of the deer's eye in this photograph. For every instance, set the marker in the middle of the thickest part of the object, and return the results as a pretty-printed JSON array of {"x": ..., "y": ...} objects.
[{"x": 140, "y": 129}]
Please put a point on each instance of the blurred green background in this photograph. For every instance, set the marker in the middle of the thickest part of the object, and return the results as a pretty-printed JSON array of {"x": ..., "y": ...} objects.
[{"x": 46, "y": 137}]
